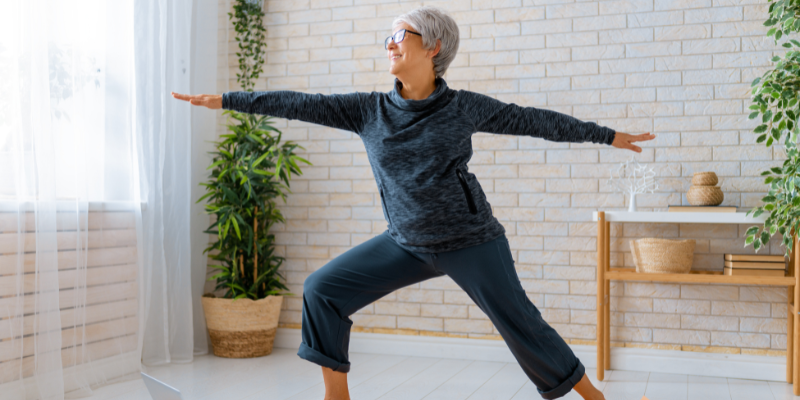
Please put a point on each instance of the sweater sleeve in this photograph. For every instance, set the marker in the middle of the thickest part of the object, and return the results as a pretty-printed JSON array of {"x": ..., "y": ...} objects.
[
  {"x": 350, "y": 111},
  {"x": 493, "y": 116}
]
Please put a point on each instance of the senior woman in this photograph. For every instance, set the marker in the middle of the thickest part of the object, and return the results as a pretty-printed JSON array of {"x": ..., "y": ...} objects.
[{"x": 418, "y": 140}]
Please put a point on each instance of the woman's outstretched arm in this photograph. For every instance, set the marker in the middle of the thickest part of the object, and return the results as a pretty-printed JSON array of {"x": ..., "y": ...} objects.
[
  {"x": 350, "y": 111},
  {"x": 494, "y": 116}
]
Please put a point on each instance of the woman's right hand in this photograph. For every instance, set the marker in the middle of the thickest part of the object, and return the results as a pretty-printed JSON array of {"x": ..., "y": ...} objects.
[{"x": 212, "y": 101}]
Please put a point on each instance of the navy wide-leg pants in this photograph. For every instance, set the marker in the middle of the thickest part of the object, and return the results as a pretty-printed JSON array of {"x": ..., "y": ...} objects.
[{"x": 486, "y": 272}]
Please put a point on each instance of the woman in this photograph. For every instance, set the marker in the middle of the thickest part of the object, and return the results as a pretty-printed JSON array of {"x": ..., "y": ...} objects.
[{"x": 418, "y": 140}]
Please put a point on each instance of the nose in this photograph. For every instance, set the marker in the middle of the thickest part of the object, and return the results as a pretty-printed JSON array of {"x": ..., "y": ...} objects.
[{"x": 391, "y": 44}]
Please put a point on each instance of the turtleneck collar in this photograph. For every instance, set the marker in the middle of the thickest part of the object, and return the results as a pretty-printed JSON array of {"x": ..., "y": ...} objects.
[{"x": 416, "y": 105}]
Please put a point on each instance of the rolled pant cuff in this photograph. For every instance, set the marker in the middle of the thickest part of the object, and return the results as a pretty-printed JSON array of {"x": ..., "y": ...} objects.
[
  {"x": 307, "y": 353},
  {"x": 566, "y": 386}
]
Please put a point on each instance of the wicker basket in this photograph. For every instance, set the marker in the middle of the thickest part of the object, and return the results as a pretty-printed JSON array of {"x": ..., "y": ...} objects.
[
  {"x": 242, "y": 328},
  {"x": 705, "y": 196},
  {"x": 663, "y": 256},
  {"x": 704, "y": 178}
]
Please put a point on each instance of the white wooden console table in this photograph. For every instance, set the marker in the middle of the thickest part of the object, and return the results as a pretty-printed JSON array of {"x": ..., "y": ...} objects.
[{"x": 605, "y": 275}]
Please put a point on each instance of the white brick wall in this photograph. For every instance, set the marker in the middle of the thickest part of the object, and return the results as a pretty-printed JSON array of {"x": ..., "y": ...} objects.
[{"x": 679, "y": 68}]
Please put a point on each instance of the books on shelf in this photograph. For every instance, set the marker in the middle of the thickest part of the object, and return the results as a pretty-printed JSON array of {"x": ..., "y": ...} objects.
[
  {"x": 754, "y": 257},
  {"x": 755, "y": 264},
  {"x": 753, "y": 272},
  {"x": 680, "y": 208}
]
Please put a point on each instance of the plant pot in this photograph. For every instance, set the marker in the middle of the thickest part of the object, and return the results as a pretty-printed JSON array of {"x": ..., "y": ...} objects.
[
  {"x": 705, "y": 195},
  {"x": 242, "y": 328},
  {"x": 708, "y": 178}
]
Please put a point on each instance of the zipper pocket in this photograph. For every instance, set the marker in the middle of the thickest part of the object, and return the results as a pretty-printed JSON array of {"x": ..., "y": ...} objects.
[
  {"x": 467, "y": 193},
  {"x": 385, "y": 209}
]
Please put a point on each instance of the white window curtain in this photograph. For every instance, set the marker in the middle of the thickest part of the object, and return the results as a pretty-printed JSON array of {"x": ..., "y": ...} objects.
[{"x": 95, "y": 194}]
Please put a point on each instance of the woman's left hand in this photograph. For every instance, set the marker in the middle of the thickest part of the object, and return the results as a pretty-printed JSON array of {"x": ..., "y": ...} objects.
[{"x": 624, "y": 140}]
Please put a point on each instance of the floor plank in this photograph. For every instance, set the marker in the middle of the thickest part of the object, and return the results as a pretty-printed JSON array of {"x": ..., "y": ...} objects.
[
  {"x": 504, "y": 384},
  {"x": 427, "y": 381},
  {"x": 284, "y": 376},
  {"x": 466, "y": 381}
]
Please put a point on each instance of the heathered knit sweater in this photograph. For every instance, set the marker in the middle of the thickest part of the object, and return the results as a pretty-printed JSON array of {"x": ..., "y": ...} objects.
[{"x": 419, "y": 150}]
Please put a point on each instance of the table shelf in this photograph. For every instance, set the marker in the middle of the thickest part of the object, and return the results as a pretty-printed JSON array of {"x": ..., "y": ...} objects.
[
  {"x": 682, "y": 217},
  {"x": 606, "y": 274},
  {"x": 699, "y": 277}
]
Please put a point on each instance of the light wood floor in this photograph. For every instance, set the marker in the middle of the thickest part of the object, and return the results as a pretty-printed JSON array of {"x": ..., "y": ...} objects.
[{"x": 284, "y": 375}]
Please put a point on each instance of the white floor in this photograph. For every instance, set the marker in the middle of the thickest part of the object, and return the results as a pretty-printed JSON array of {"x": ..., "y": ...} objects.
[{"x": 284, "y": 375}]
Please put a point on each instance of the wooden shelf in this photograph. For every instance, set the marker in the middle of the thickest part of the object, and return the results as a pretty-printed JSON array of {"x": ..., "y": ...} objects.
[
  {"x": 605, "y": 275},
  {"x": 682, "y": 217},
  {"x": 699, "y": 277}
]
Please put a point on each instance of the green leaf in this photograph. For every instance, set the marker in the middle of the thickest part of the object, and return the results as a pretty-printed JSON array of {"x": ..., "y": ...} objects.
[
  {"x": 231, "y": 195},
  {"x": 236, "y": 227},
  {"x": 760, "y": 128},
  {"x": 753, "y": 115},
  {"x": 215, "y": 164}
]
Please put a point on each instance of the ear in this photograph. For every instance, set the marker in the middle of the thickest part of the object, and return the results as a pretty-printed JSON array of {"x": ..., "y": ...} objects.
[{"x": 435, "y": 51}]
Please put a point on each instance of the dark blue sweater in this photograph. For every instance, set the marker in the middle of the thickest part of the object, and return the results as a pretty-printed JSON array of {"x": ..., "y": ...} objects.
[{"x": 419, "y": 150}]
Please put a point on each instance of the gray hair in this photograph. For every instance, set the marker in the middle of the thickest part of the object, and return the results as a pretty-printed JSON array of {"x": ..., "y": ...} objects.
[{"x": 434, "y": 23}]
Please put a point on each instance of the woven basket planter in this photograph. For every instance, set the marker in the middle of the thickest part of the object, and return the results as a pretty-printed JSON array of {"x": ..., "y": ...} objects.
[
  {"x": 663, "y": 256},
  {"x": 704, "y": 178},
  {"x": 242, "y": 328},
  {"x": 705, "y": 196}
]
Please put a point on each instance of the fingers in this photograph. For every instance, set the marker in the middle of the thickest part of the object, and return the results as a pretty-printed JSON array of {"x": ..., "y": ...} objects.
[
  {"x": 199, "y": 100},
  {"x": 643, "y": 136},
  {"x": 179, "y": 96}
]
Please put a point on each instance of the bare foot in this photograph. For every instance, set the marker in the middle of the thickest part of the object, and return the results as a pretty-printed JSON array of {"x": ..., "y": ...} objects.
[{"x": 587, "y": 390}]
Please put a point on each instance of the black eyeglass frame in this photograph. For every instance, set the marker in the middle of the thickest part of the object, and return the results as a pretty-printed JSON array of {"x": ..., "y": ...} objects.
[{"x": 402, "y": 33}]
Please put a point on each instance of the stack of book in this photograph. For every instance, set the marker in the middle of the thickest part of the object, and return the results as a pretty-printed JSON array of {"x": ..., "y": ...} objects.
[
  {"x": 679, "y": 208},
  {"x": 753, "y": 264}
]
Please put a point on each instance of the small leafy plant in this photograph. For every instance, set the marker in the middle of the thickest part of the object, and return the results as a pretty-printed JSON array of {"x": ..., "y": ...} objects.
[
  {"x": 775, "y": 101},
  {"x": 249, "y": 170}
]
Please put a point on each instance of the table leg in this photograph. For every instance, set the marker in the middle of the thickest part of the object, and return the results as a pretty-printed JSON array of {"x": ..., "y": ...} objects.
[
  {"x": 789, "y": 333},
  {"x": 600, "y": 295},
  {"x": 607, "y": 298},
  {"x": 796, "y": 318}
]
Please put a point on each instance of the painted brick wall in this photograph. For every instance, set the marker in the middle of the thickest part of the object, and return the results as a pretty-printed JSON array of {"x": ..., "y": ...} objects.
[{"x": 679, "y": 68}]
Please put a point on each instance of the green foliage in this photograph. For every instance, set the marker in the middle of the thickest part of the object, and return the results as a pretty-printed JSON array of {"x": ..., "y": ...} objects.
[
  {"x": 247, "y": 171},
  {"x": 783, "y": 18},
  {"x": 775, "y": 104},
  {"x": 247, "y": 18},
  {"x": 250, "y": 169}
]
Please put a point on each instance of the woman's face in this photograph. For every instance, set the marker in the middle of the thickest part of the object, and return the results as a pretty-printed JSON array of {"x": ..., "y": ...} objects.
[{"x": 408, "y": 56}]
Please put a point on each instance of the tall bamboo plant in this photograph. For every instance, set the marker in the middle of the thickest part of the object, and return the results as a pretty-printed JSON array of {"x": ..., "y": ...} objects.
[
  {"x": 250, "y": 168},
  {"x": 775, "y": 103}
]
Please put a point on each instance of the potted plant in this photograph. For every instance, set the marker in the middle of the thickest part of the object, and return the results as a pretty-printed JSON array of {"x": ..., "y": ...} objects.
[
  {"x": 246, "y": 173},
  {"x": 775, "y": 102}
]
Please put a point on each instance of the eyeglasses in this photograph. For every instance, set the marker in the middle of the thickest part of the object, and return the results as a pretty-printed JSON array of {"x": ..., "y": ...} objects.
[{"x": 397, "y": 37}]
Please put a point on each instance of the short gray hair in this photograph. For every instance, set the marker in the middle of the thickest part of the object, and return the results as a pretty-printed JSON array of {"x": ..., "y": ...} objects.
[{"x": 434, "y": 23}]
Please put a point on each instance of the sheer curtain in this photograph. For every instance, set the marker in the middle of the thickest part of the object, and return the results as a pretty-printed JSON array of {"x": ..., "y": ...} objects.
[{"x": 95, "y": 193}]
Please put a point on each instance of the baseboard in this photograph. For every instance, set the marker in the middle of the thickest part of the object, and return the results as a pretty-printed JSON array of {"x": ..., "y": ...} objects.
[{"x": 742, "y": 366}]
